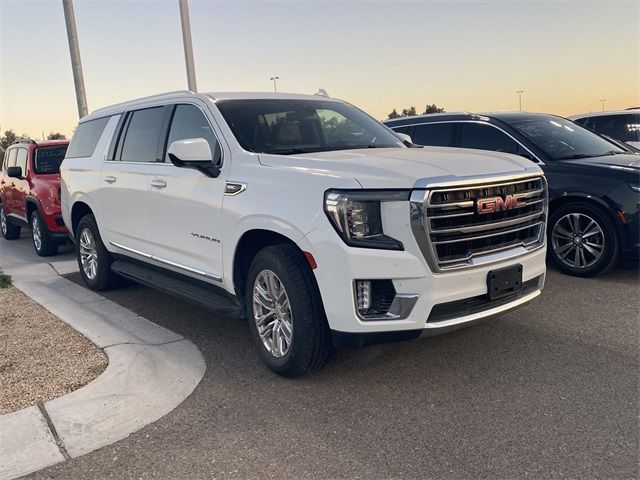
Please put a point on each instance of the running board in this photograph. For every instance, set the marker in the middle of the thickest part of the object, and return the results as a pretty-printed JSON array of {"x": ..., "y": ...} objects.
[{"x": 208, "y": 298}]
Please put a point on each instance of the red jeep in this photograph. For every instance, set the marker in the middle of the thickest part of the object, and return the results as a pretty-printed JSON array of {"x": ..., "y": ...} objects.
[{"x": 30, "y": 193}]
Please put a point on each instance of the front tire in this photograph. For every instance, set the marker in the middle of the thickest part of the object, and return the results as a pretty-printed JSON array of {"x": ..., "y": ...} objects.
[
  {"x": 8, "y": 230},
  {"x": 285, "y": 312},
  {"x": 582, "y": 240},
  {"x": 44, "y": 245},
  {"x": 94, "y": 260}
]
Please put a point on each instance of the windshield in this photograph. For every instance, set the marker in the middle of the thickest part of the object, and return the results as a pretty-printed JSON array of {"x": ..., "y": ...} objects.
[
  {"x": 302, "y": 126},
  {"x": 563, "y": 140},
  {"x": 48, "y": 159}
]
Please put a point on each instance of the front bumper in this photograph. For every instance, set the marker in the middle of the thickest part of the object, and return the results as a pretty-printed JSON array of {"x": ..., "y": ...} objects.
[{"x": 339, "y": 265}]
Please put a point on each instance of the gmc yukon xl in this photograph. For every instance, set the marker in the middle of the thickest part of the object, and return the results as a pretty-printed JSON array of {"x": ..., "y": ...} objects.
[{"x": 303, "y": 214}]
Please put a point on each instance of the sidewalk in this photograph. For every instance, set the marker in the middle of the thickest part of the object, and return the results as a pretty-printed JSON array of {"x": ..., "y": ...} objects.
[{"x": 151, "y": 370}]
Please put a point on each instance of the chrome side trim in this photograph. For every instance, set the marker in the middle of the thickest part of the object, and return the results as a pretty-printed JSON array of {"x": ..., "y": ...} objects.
[{"x": 202, "y": 273}]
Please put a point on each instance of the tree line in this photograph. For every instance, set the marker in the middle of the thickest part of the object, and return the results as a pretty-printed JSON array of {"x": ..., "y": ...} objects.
[
  {"x": 408, "y": 112},
  {"x": 9, "y": 136}
]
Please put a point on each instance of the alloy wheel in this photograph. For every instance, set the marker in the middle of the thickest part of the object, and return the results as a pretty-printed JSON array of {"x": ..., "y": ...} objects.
[
  {"x": 272, "y": 313},
  {"x": 36, "y": 233},
  {"x": 3, "y": 221},
  {"x": 88, "y": 254},
  {"x": 577, "y": 240}
]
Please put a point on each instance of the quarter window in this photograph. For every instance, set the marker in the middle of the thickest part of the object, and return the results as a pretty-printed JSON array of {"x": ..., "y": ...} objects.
[
  {"x": 21, "y": 160},
  {"x": 436, "y": 134},
  {"x": 189, "y": 122},
  {"x": 485, "y": 137},
  {"x": 86, "y": 138}
]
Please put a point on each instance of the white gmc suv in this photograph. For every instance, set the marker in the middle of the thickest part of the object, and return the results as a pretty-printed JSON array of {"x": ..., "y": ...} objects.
[{"x": 303, "y": 214}]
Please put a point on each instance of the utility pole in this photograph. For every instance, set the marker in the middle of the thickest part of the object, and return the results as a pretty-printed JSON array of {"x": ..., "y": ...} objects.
[
  {"x": 520, "y": 92},
  {"x": 275, "y": 88},
  {"x": 188, "y": 46},
  {"x": 74, "y": 51},
  {"x": 602, "y": 100}
]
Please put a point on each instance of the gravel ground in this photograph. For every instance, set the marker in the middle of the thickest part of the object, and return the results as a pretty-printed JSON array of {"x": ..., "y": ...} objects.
[{"x": 40, "y": 357}]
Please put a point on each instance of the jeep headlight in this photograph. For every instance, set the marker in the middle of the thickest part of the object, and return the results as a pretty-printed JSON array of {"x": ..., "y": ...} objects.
[{"x": 356, "y": 216}]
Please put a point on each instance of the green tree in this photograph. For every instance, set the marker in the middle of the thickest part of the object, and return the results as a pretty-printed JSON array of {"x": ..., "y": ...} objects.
[
  {"x": 394, "y": 114},
  {"x": 56, "y": 136},
  {"x": 433, "y": 108},
  {"x": 408, "y": 112},
  {"x": 7, "y": 139}
]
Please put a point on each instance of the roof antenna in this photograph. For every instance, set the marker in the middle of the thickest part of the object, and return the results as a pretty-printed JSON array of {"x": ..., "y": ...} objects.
[{"x": 322, "y": 93}]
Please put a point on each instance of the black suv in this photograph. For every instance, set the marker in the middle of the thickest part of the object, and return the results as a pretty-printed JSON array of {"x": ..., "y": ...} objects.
[{"x": 594, "y": 185}]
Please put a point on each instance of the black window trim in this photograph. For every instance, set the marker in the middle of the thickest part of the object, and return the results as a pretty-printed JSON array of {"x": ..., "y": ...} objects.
[
  {"x": 536, "y": 158},
  {"x": 114, "y": 154}
]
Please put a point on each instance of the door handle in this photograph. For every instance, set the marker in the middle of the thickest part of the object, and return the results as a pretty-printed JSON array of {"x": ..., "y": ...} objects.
[
  {"x": 158, "y": 183},
  {"x": 109, "y": 179}
]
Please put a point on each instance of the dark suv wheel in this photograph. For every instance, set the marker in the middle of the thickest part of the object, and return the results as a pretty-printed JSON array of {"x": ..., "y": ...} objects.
[
  {"x": 94, "y": 259},
  {"x": 9, "y": 231},
  {"x": 285, "y": 312},
  {"x": 582, "y": 240},
  {"x": 43, "y": 243}
]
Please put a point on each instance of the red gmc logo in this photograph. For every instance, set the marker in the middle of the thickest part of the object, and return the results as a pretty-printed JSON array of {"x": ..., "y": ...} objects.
[{"x": 498, "y": 204}]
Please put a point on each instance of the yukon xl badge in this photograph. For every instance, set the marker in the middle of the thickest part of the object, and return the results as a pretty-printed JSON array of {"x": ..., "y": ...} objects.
[
  {"x": 498, "y": 204},
  {"x": 205, "y": 237}
]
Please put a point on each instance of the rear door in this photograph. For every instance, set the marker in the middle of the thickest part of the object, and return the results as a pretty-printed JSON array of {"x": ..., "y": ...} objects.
[
  {"x": 185, "y": 206},
  {"x": 125, "y": 177},
  {"x": 434, "y": 134}
]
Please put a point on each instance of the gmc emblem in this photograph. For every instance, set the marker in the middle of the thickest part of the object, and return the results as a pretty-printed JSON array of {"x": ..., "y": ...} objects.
[{"x": 498, "y": 204}]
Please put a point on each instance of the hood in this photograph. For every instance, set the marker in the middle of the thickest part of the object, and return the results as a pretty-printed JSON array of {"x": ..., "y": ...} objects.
[
  {"x": 626, "y": 161},
  {"x": 403, "y": 167},
  {"x": 49, "y": 180}
]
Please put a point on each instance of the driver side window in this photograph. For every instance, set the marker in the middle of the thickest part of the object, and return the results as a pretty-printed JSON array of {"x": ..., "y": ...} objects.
[
  {"x": 485, "y": 137},
  {"x": 189, "y": 122}
]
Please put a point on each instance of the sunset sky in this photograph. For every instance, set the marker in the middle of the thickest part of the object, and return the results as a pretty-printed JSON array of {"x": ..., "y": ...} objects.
[{"x": 473, "y": 55}]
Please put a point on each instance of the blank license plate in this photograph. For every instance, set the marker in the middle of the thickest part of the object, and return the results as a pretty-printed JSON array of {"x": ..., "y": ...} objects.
[{"x": 504, "y": 282}]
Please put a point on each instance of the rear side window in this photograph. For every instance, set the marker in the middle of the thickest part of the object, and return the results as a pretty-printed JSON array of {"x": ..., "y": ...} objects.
[
  {"x": 48, "y": 159},
  {"x": 86, "y": 138},
  {"x": 21, "y": 160},
  {"x": 436, "y": 134},
  {"x": 142, "y": 135},
  {"x": 485, "y": 137},
  {"x": 189, "y": 122}
]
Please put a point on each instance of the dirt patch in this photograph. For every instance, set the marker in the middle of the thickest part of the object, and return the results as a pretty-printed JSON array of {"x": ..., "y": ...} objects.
[{"x": 40, "y": 356}]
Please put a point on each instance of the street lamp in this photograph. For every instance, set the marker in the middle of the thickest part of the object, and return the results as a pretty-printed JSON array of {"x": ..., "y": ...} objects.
[
  {"x": 520, "y": 92},
  {"x": 275, "y": 88},
  {"x": 602, "y": 100}
]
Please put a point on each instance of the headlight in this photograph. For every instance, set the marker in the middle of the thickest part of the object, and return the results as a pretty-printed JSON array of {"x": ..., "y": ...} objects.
[{"x": 355, "y": 214}]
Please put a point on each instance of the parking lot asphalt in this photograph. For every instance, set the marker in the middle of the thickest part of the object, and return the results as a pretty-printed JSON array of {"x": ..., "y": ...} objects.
[{"x": 548, "y": 390}]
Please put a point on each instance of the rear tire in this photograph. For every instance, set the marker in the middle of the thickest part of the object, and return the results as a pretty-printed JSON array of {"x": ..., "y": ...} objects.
[
  {"x": 293, "y": 312},
  {"x": 8, "y": 230},
  {"x": 44, "y": 245},
  {"x": 94, "y": 260},
  {"x": 582, "y": 240}
]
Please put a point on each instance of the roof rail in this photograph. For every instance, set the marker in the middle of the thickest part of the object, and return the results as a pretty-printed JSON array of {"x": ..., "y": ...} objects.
[
  {"x": 23, "y": 140},
  {"x": 150, "y": 97}
]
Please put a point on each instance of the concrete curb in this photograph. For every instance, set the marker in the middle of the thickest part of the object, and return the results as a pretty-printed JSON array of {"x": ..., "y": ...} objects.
[{"x": 151, "y": 371}]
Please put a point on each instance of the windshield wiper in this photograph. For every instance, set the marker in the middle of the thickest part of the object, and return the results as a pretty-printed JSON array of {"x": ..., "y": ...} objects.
[{"x": 574, "y": 156}]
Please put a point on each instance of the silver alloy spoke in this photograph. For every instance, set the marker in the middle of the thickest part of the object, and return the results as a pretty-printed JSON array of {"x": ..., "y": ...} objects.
[
  {"x": 88, "y": 254},
  {"x": 577, "y": 246},
  {"x": 272, "y": 313}
]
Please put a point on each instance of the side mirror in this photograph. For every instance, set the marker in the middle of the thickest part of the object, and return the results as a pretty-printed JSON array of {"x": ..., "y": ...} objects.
[
  {"x": 14, "y": 172},
  {"x": 193, "y": 153},
  {"x": 404, "y": 137}
]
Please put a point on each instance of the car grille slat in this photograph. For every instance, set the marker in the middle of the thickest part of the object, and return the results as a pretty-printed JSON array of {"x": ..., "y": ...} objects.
[{"x": 454, "y": 232}]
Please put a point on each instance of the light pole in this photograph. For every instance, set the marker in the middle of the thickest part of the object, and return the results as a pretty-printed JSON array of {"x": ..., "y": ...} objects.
[
  {"x": 275, "y": 88},
  {"x": 74, "y": 51},
  {"x": 520, "y": 92},
  {"x": 602, "y": 100},
  {"x": 188, "y": 46}
]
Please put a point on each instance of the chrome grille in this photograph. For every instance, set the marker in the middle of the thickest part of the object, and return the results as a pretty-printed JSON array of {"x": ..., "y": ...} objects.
[{"x": 452, "y": 233}]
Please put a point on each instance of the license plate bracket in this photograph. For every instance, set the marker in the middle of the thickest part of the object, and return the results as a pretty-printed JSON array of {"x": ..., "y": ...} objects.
[{"x": 504, "y": 282}]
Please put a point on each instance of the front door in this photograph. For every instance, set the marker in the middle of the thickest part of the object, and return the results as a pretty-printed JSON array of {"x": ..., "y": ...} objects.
[
  {"x": 185, "y": 206},
  {"x": 21, "y": 186}
]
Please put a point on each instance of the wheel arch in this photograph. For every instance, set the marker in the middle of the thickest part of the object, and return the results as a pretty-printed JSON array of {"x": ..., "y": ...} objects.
[
  {"x": 31, "y": 204},
  {"x": 79, "y": 210},
  {"x": 585, "y": 198}
]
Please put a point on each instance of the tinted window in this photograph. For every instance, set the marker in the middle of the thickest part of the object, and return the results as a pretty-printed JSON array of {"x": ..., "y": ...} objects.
[
  {"x": 11, "y": 162},
  {"x": 621, "y": 127},
  {"x": 401, "y": 129},
  {"x": 141, "y": 140},
  {"x": 21, "y": 160},
  {"x": 485, "y": 137},
  {"x": 48, "y": 159},
  {"x": 86, "y": 138},
  {"x": 189, "y": 122},
  {"x": 562, "y": 139},
  {"x": 436, "y": 134},
  {"x": 302, "y": 126}
]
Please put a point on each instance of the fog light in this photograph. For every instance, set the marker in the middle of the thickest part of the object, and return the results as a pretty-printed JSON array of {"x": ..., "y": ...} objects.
[{"x": 363, "y": 294}]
